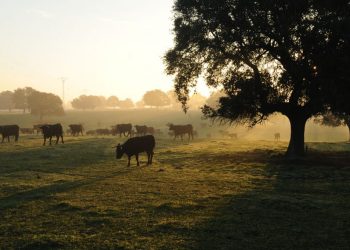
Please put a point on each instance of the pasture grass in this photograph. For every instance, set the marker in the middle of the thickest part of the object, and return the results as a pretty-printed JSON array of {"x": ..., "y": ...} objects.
[{"x": 206, "y": 194}]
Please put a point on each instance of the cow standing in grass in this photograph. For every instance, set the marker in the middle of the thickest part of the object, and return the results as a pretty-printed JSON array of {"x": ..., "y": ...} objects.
[
  {"x": 180, "y": 130},
  {"x": 136, "y": 145},
  {"x": 277, "y": 136},
  {"x": 120, "y": 129},
  {"x": 9, "y": 130},
  {"x": 76, "y": 129},
  {"x": 141, "y": 130},
  {"x": 52, "y": 130}
]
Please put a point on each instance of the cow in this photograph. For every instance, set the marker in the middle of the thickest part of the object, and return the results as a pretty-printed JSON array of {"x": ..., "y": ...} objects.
[
  {"x": 9, "y": 130},
  {"x": 91, "y": 132},
  {"x": 277, "y": 136},
  {"x": 120, "y": 129},
  {"x": 76, "y": 129},
  {"x": 141, "y": 130},
  {"x": 180, "y": 130},
  {"x": 136, "y": 145},
  {"x": 150, "y": 130},
  {"x": 27, "y": 131},
  {"x": 36, "y": 127},
  {"x": 103, "y": 131},
  {"x": 52, "y": 130}
]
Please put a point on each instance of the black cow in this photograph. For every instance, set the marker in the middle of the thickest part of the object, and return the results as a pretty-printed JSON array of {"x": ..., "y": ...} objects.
[
  {"x": 136, "y": 145},
  {"x": 76, "y": 129},
  {"x": 52, "y": 130},
  {"x": 180, "y": 130},
  {"x": 9, "y": 130},
  {"x": 102, "y": 131},
  {"x": 141, "y": 130},
  {"x": 120, "y": 129}
]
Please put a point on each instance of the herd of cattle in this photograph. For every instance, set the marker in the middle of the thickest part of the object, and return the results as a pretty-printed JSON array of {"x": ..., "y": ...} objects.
[{"x": 56, "y": 130}]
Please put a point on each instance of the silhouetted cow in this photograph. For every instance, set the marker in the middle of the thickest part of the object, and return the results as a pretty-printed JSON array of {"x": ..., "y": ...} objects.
[
  {"x": 120, "y": 129},
  {"x": 76, "y": 129},
  {"x": 150, "y": 130},
  {"x": 141, "y": 130},
  {"x": 277, "y": 136},
  {"x": 180, "y": 130},
  {"x": 136, "y": 145},
  {"x": 9, "y": 130},
  {"x": 52, "y": 130},
  {"x": 103, "y": 131}
]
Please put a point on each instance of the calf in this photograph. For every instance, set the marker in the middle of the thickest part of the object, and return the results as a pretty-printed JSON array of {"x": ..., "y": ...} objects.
[
  {"x": 120, "y": 129},
  {"x": 76, "y": 129},
  {"x": 9, "y": 130},
  {"x": 52, "y": 130},
  {"x": 136, "y": 145},
  {"x": 180, "y": 130}
]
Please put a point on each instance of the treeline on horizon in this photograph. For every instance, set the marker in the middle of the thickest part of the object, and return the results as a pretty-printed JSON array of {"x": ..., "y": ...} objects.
[{"x": 43, "y": 104}]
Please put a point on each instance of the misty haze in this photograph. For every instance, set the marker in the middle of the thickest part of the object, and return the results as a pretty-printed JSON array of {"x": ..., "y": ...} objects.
[{"x": 174, "y": 124}]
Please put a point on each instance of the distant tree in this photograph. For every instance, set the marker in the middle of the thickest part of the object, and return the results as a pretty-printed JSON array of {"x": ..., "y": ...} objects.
[
  {"x": 6, "y": 100},
  {"x": 127, "y": 103},
  {"x": 334, "y": 120},
  {"x": 174, "y": 102},
  {"x": 140, "y": 104},
  {"x": 156, "y": 98},
  {"x": 45, "y": 104},
  {"x": 112, "y": 101},
  {"x": 284, "y": 56},
  {"x": 196, "y": 101},
  {"x": 214, "y": 99},
  {"x": 87, "y": 102},
  {"x": 20, "y": 98}
]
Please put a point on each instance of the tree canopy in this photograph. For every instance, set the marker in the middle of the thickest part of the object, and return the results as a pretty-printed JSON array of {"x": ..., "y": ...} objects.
[
  {"x": 45, "y": 104},
  {"x": 156, "y": 98},
  {"x": 287, "y": 56},
  {"x": 6, "y": 100}
]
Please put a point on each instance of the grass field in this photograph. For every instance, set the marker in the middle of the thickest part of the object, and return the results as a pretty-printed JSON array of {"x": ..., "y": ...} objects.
[{"x": 207, "y": 194}]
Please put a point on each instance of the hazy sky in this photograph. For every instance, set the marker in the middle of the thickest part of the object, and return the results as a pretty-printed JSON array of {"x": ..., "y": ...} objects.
[{"x": 103, "y": 47}]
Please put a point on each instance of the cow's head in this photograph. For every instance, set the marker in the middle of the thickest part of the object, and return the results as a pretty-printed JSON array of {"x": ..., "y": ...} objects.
[
  {"x": 119, "y": 151},
  {"x": 171, "y": 126},
  {"x": 44, "y": 127}
]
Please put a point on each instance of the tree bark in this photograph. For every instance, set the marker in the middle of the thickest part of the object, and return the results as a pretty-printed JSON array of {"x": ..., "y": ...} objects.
[{"x": 297, "y": 129}]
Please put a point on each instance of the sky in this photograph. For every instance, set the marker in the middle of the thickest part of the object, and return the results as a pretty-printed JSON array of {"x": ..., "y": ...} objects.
[{"x": 101, "y": 47}]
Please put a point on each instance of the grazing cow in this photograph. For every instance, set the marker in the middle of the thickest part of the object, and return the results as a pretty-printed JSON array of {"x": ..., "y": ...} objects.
[
  {"x": 37, "y": 127},
  {"x": 52, "y": 130},
  {"x": 136, "y": 145},
  {"x": 91, "y": 132},
  {"x": 9, "y": 130},
  {"x": 180, "y": 130},
  {"x": 277, "y": 136},
  {"x": 103, "y": 131},
  {"x": 141, "y": 130},
  {"x": 120, "y": 129},
  {"x": 150, "y": 130},
  {"x": 76, "y": 129},
  {"x": 27, "y": 131}
]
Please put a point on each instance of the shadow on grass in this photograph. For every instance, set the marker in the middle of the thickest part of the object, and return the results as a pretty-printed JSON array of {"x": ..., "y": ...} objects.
[
  {"x": 56, "y": 157},
  {"x": 296, "y": 205}
]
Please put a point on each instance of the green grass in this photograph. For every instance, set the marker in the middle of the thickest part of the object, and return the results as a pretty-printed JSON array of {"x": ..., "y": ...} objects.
[{"x": 215, "y": 194}]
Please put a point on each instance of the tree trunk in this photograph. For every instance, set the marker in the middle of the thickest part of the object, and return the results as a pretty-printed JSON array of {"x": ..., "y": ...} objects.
[{"x": 296, "y": 143}]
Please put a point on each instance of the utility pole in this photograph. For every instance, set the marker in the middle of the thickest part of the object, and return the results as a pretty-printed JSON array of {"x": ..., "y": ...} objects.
[{"x": 63, "y": 80}]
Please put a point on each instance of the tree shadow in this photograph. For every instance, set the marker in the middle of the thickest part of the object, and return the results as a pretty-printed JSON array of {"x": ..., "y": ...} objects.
[{"x": 300, "y": 204}]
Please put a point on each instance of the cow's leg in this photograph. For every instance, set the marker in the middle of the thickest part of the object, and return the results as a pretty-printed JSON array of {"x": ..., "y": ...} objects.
[
  {"x": 50, "y": 139},
  {"x": 8, "y": 138},
  {"x": 129, "y": 160},
  {"x": 62, "y": 139},
  {"x": 44, "y": 141},
  {"x": 57, "y": 139},
  {"x": 16, "y": 137},
  {"x": 148, "y": 157},
  {"x": 3, "y": 137},
  {"x": 137, "y": 159}
]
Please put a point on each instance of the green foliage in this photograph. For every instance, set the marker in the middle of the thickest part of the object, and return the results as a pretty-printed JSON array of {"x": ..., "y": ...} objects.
[
  {"x": 45, "y": 104},
  {"x": 88, "y": 102},
  {"x": 217, "y": 194},
  {"x": 126, "y": 104},
  {"x": 268, "y": 56},
  {"x": 6, "y": 98},
  {"x": 156, "y": 98},
  {"x": 20, "y": 97},
  {"x": 112, "y": 101}
]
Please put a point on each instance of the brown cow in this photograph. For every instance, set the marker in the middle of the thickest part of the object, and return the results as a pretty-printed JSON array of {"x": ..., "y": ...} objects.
[
  {"x": 9, "y": 130},
  {"x": 180, "y": 130}
]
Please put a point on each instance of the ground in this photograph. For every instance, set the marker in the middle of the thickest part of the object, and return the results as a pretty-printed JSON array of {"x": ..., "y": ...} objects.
[{"x": 206, "y": 194}]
